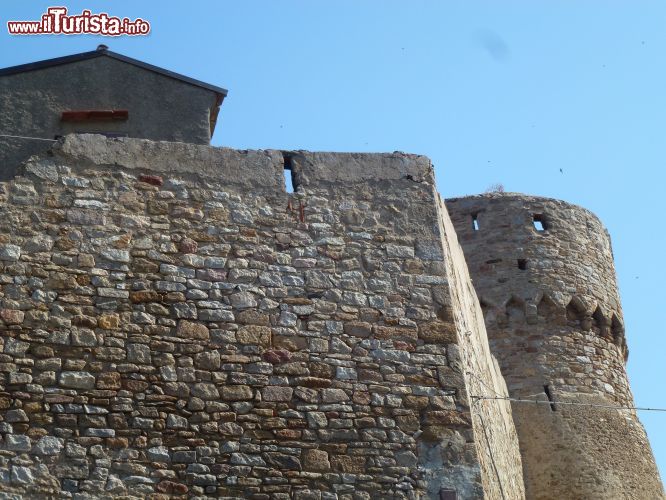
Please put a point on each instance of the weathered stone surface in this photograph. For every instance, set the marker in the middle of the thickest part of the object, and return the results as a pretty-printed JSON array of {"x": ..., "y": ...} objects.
[
  {"x": 115, "y": 255},
  {"x": 316, "y": 460},
  {"x": 245, "y": 459},
  {"x": 83, "y": 337},
  {"x": 243, "y": 300},
  {"x": 142, "y": 296},
  {"x": 108, "y": 321},
  {"x": 334, "y": 395},
  {"x": 159, "y": 454},
  {"x": 253, "y": 334},
  {"x": 277, "y": 393},
  {"x": 236, "y": 392},
  {"x": 12, "y": 316},
  {"x": 176, "y": 422},
  {"x": 138, "y": 353},
  {"x": 206, "y": 391},
  {"x": 191, "y": 330},
  {"x": 349, "y": 464},
  {"x": 276, "y": 356},
  {"x": 208, "y": 360},
  {"x": 21, "y": 475},
  {"x": 17, "y": 442},
  {"x": 110, "y": 380},
  {"x": 10, "y": 252},
  {"x": 77, "y": 380},
  {"x": 438, "y": 332},
  {"x": 188, "y": 245},
  {"x": 86, "y": 217},
  {"x": 43, "y": 169},
  {"x": 48, "y": 445},
  {"x": 15, "y": 347},
  {"x": 17, "y": 415}
]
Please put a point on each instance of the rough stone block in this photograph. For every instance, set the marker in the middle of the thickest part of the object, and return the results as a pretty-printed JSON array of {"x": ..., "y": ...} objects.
[
  {"x": 316, "y": 460},
  {"x": 108, "y": 380},
  {"x": 236, "y": 392},
  {"x": 77, "y": 380},
  {"x": 192, "y": 330},
  {"x": 275, "y": 393},
  {"x": 108, "y": 321},
  {"x": 334, "y": 395},
  {"x": 10, "y": 253},
  {"x": 12, "y": 316},
  {"x": 253, "y": 334}
]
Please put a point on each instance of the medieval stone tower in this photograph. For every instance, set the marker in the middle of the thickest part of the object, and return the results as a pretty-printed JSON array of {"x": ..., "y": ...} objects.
[{"x": 543, "y": 271}]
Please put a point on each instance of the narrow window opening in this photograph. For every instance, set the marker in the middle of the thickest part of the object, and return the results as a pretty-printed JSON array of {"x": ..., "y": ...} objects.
[
  {"x": 522, "y": 264},
  {"x": 288, "y": 181},
  {"x": 447, "y": 494},
  {"x": 546, "y": 389},
  {"x": 539, "y": 222},
  {"x": 475, "y": 222},
  {"x": 288, "y": 173}
]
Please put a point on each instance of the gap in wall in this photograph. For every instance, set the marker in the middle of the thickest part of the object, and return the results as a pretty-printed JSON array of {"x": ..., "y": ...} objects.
[
  {"x": 288, "y": 173},
  {"x": 539, "y": 222},
  {"x": 546, "y": 389}
]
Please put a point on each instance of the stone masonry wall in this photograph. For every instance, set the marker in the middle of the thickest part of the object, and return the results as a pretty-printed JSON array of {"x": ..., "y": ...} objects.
[
  {"x": 174, "y": 324},
  {"x": 555, "y": 324},
  {"x": 492, "y": 419}
]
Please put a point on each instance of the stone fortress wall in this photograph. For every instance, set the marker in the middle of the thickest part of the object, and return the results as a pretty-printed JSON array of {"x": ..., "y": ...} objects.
[
  {"x": 555, "y": 324},
  {"x": 173, "y": 323}
]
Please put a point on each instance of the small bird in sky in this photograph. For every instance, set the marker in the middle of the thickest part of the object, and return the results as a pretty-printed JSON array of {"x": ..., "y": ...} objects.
[{"x": 561, "y": 171}]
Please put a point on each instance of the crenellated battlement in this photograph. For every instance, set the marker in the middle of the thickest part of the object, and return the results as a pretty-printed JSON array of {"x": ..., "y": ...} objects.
[{"x": 558, "y": 310}]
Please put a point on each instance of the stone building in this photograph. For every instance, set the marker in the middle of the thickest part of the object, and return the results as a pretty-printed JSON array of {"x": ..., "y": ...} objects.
[
  {"x": 544, "y": 275},
  {"x": 174, "y": 323},
  {"x": 100, "y": 92}
]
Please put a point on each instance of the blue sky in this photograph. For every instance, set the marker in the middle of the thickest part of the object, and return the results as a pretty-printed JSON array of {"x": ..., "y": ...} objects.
[{"x": 502, "y": 92}]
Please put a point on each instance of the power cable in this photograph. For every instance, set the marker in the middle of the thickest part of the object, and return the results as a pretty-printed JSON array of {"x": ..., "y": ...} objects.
[
  {"x": 29, "y": 138},
  {"x": 570, "y": 403}
]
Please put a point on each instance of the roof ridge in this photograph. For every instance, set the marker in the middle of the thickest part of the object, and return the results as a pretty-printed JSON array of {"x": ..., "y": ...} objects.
[{"x": 82, "y": 56}]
